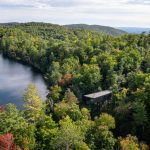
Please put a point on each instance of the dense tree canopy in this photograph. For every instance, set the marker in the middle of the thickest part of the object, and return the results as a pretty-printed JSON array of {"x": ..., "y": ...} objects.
[{"x": 76, "y": 62}]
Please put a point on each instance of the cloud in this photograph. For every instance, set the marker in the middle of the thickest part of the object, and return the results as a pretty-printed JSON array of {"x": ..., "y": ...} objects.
[
  {"x": 110, "y": 12},
  {"x": 61, "y": 3},
  {"x": 144, "y": 2},
  {"x": 24, "y": 3}
]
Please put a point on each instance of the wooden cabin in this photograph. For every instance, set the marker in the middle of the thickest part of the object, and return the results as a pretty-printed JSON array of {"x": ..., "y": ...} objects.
[
  {"x": 96, "y": 100},
  {"x": 98, "y": 97}
]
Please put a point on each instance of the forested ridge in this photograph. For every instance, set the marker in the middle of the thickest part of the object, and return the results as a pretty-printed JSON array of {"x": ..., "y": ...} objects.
[
  {"x": 98, "y": 28},
  {"x": 76, "y": 62}
]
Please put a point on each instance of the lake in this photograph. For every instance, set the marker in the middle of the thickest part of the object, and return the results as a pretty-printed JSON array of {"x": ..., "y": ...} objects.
[{"x": 14, "y": 79}]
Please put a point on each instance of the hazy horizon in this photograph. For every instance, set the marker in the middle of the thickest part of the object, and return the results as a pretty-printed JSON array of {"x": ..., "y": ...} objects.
[{"x": 114, "y": 13}]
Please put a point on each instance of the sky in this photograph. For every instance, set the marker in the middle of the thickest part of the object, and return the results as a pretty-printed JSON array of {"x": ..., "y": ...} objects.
[{"x": 116, "y": 13}]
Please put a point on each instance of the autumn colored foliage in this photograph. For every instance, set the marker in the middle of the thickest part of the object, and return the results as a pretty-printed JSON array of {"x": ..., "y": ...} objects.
[
  {"x": 2, "y": 108},
  {"x": 7, "y": 142},
  {"x": 67, "y": 78}
]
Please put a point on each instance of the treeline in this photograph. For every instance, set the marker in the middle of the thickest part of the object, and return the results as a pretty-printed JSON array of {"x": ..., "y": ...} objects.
[
  {"x": 80, "y": 62},
  {"x": 98, "y": 28},
  {"x": 34, "y": 129}
]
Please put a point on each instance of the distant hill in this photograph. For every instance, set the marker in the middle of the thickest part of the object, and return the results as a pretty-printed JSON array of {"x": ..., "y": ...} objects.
[
  {"x": 9, "y": 24},
  {"x": 134, "y": 30},
  {"x": 51, "y": 31},
  {"x": 97, "y": 28}
]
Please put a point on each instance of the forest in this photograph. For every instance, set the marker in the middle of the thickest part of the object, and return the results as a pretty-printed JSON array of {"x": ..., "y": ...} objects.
[{"x": 75, "y": 62}]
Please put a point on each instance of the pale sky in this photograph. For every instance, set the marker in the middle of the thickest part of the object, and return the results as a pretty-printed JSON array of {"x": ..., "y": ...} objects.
[{"x": 117, "y": 13}]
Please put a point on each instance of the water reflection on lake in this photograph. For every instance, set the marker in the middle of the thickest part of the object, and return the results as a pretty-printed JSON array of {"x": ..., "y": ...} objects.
[{"x": 14, "y": 78}]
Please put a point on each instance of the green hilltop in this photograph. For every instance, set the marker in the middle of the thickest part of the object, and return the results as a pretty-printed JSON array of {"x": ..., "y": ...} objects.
[{"x": 98, "y": 28}]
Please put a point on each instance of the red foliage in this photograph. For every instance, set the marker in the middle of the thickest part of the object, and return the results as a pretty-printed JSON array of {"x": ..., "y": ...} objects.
[
  {"x": 2, "y": 108},
  {"x": 61, "y": 82},
  {"x": 67, "y": 78},
  {"x": 7, "y": 142}
]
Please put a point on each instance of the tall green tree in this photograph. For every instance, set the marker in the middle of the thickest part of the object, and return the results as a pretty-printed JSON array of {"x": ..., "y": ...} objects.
[
  {"x": 34, "y": 107},
  {"x": 47, "y": 131},
  {"x": 99, "y": 135},
  {"x": 69, "y": 134}
]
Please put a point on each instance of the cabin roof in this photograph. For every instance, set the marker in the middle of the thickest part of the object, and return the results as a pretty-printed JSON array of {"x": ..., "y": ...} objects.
[{"x": 98, "y": 94}]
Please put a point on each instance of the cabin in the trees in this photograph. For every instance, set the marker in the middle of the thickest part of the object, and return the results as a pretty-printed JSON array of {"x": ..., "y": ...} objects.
[
  {"x": 98, "y": 97},
  {"x": 95, "y": 100}
]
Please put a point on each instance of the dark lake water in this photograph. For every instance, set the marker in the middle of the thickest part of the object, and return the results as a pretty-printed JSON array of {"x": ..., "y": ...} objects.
[{"x": 14, "y": 78}]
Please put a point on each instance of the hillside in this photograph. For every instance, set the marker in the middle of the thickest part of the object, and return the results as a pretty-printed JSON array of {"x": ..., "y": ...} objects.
[
  {"x": 48, "y": 30},
  {"x": 40, "y": 28},
  {"x": 97, "y": 28}
]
